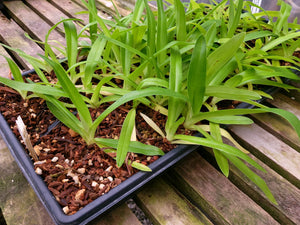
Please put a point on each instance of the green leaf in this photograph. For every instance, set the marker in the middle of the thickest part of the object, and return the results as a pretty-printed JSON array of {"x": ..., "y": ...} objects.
[
  {"x": 34, "y": 87},
  {"x": 234, "y": 16},
  {"x": 253, "y": 177},
  {"x": 72, "y": 93},
  {"x": 17, "y": 75},
  {"x": 218, "y": 58},
  {"x": 290, "y": 117},
  {"x": 219, "y": 146},
  {"x": 162, "y": 34},
  {"x": 125, "y": 137},
  {"x": 232, "y": 93},
  {"x": 239, "y": 120},
  {"x": 180, "y": 21},
  {"x": 258, "y": 34},
  {"x": 222, "y": 161},
  {"x": 136, "y": 95},
  {"x": 279, "y": 41},
  {"x": 71, "y": 39},
  {"x": 140, "y": 166},
  {"x": 93, "y": 58},
  {"x": 92, "y": 19},
  {"x": 175, "y": 106},
  {"x": 64, "y": 115},
  {"x": 156, "y": 82},
  {"x": 134, "y": 146},
  {"x": 196, "y": 81}
]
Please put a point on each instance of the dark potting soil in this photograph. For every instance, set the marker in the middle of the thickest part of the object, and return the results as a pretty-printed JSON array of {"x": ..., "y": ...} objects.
[{"x": 75, "y": 173}]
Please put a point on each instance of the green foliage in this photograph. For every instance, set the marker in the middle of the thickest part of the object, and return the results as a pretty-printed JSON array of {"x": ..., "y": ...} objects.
[{"x": 181, "y": 60}]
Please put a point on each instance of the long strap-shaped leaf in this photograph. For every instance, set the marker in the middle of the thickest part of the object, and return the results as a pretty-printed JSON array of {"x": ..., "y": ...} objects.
[
  {"x": 218, "y": 58},
  {"x": 93, "y": 59},
  {"x": 72, "y": 45},
  {"x": 196, "y": 81},
  {"x": 136, "y": 95},
  {"x": 217, "y": 145},
  {"x": 134, "y": 146},
  {"x": 290, "y": 117},
  {"x": 180, "y": 21},
  {"x": 72, "y": 92},
  {"x": 124, "y": 140}
]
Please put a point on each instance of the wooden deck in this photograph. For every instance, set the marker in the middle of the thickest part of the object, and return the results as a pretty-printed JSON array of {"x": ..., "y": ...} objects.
[{"x": 193, "y": 192}]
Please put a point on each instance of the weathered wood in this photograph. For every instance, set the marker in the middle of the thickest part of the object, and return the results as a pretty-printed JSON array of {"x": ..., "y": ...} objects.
[
  {"x": 108, "y": 6},
  {"x": 164, "y": 206},
  {"x": 286, "y": 194},
  {"x": 120, "y": 215},
  {"x": 47, "y": 12},
  {"x": 215, "y": 195},
  {"x": 18, "y": 201},
  {"x": 13, "y": 35},
  {"x": 287, "y": 103},
  {"x": 279, "y": 127},
  {"x": 272, "y": 151},
  {"x": 4, "y": 68},
  {"x": 71, "y": 9},
  {"x": 32, "y": 23}
]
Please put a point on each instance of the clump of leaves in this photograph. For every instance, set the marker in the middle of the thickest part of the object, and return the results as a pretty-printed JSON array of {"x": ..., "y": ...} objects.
[{"x": 182, "y": 60}]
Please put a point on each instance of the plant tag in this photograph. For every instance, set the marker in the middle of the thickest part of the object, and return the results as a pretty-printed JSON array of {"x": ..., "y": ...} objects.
[
  {"x": 25, "y": 136},
  {"x": 255, "y": 9}
]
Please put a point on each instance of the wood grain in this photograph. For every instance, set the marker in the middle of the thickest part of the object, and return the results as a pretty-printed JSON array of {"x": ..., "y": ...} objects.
[
  {"x": 215, "y": 195},
  {"x": 13, "y": 35},
  {"x": 164, "y": 206},
  {"x": 272, "y": 151},
  {"x": 31, "y": 22}
]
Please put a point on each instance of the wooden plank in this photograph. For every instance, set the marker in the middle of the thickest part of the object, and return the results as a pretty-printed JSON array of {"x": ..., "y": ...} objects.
[
  {"x": 71, "y": 9},
  {"x": 13, "y": 35},
  {"x": 215, "y": 195},
  {"x": 103, "y": 12},
  {"x": 4, "y": 68},
  {"x": 31, "y": 22},
  {"x": 47, "y": 11},
  {"x": 120, "y": 215},
  {"x": 279, "y": 127},
  {"x": 286, "y": 194},
  {"x": 108, "y": 7},
  {"x": 18, "y": 201},
  {"x": 272, "y": 151},
  {"x": 287, "y": 103},
  {"x": 163, "y": 205}
]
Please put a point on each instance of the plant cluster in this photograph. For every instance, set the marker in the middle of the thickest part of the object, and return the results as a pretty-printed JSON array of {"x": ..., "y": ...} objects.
[{"x": 182, "y": 60}]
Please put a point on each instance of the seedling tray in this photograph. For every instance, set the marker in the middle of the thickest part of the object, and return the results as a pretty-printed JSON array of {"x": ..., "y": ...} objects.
[{"x": 102, "y": 204}]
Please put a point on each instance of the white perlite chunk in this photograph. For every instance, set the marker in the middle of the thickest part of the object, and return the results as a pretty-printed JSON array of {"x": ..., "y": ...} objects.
[
  {"x": 38, "y": 171},
  {"x": 54, "y": 159},
  {"x": 101, "y": 186},
  {"x": 39, "y": 162},
  {"x": 66, "y": 209},
  {"x": 79, "y": 194},
  {"x": 81, "y": 170},
  {"x": 94, "y": 184},
  {"x": 110, "y": 179},
  {"x": 108, "y": 169}
]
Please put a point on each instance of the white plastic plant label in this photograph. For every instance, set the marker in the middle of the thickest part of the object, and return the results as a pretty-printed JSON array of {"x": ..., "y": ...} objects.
[{"x": 255, "y": 9}]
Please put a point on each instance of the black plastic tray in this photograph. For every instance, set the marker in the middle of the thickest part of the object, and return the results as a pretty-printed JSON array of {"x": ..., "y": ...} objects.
[{"x": 105, "y": 202}]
